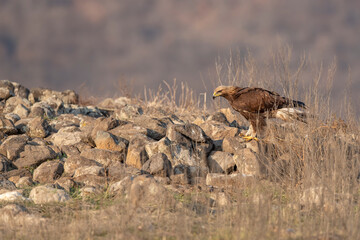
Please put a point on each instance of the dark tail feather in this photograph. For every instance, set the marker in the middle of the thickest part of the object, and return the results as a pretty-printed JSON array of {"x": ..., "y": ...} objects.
[{"x": 298, "y": 104}]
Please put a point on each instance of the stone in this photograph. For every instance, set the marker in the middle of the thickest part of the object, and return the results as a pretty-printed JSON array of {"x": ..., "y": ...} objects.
[
  {"x": 67, "y": 183},
  {"x": 217, "y": 131},
  {"x": 21, "y": 111},
  {"x": 64, "y": 120},
  {"x": 56, "y": 104},
  {"x": 161, "y": 146},
  {"x": 121, "y": 187},
  {"x": 233, "y": 145},
  {"x": 6, "y": 89},
  {"x": 105, "y": 124},
  {"x": 41, "y": 109},
  {"x": 249, "y": 164},
  {"x": 15, "y": 174},
  {"x": 136, "y": 155},
  {"x": 159, "y": 165},
  {"x": 70, "y": 150},
  {"x": 6, "y": 184},
  {"x": 7, "y": 126},
  {"x": 128, "y": 112},
  {"x": 38, "y": 128},
  {"x": 219, "y": 117},
  {"x": 24, "y": 182},
  {"x": 12, "y": 197},
  {"x": 33, "y": 156},
  {"x": 107, "y": 141},
  {"x": 13, "y": 146},
  {"x": 20, "y": 90},
  {"x": 48, "y": 171},
  {"x": 13, "y": 117},
  {"x": 105, "y": 157},
  {"x": 73, "y": 163},
  {"x": 5, "y": 164},
  {"x": 19, "y": 216},
  {"x": 116, "y": 171},
  {"x": 21, "y": 125},
  {"x": 91, "y": 180},
  {"x": 40, "y": 94},
  {"x": 146, "y": 190},
  {"x": 67, "y": 136},
  {"x": 128, "y": 130},
  {"x": 89, "y": 170},
  {"x": 226, "y": 181},
  {"x": 13, "y": 102},
  {"x": 89, "y": 191},
  {"x": 46, "y": 194},
  {"x": 156, "y": 128},
  {"x": 221, "y": 162}
]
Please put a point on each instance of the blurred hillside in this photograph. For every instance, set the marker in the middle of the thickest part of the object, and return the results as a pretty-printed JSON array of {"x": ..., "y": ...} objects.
[{"x": 93, "y": 45}]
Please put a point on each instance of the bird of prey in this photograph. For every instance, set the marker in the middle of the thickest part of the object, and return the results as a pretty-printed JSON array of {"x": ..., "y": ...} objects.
[{"x": 258, "y": 104}]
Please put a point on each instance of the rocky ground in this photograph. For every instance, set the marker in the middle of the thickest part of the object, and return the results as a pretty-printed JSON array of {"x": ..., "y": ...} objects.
[{"x": 57, "y": 152}]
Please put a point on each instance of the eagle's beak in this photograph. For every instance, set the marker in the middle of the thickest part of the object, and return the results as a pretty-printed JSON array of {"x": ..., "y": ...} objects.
[{"x": 216, "y": 94}]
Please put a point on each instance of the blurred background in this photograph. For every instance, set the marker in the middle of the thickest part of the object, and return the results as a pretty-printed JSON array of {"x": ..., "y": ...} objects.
[{"x": 99, "y": 46}]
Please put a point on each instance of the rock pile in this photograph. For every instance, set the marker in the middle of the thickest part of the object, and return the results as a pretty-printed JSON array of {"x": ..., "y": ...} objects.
[{"x": 52, "y": 144}]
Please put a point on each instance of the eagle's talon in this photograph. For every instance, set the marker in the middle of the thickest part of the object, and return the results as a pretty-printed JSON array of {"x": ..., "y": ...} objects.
[{"x": 249, "y": 138}]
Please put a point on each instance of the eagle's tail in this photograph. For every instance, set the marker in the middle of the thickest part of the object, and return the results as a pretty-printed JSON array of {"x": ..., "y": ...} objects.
[{"x": 298, "y": 104}]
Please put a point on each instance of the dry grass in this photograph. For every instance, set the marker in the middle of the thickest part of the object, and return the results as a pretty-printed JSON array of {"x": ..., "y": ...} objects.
[{"x": 315, "y": 198}]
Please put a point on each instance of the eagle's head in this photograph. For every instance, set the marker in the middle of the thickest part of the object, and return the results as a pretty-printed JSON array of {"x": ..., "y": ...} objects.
[{"x": 224, "y": 91}]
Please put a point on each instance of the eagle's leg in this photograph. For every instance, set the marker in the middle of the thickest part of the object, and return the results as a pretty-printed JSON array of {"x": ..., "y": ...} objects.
[{"x": 250, "y": 134}]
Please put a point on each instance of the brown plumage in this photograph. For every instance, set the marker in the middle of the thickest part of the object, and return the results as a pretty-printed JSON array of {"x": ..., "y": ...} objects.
[{"x": 257, "y": 104}]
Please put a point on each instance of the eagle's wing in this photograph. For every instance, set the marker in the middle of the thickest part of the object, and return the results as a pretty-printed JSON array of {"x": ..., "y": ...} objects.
[{"x": 255, "y": 100}]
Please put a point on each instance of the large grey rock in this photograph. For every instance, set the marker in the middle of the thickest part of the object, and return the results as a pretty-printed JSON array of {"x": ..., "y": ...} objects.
[
  {"x": 7, "y": 126},
  {"x": 217, "y": 131},
  {"x": 91, "y": 180},
  {"x": 128, "y": 112},
  {"x": 13, "y": 102},
  {"x": 136, "y": 155},
  {"x": 5, "y": 164},
  {"x": 6, "y": 89},
  {"x": 128, "y": 130},
  {"x": 156, "y": 128},
  {"x": 38, "y": 128},
  {"x": 21, "y": 111},
  {"x": 107, "y": 141},
  {"x": 13, "y": 146},
  {"x": 121, "y": 187},
  {"x": 40, "y": 94},
  {"x": 105, "y": 157},
  {"x": 13, "y": 196},
  {"x": 34, "y": 155},
  {"x": 249, "y": 163},
  {"x": 49, "y": 171},
  {"x": 45, "y": 194},
  {"x": 6, "y": 184},
  {"x": 42, "y": 109},
  {"x": 233, "y": 145},
  {"x": 104, "y": 124},
  {"x": 75, "y": 162},
  {"x": 161, "y": 146},
  {"x": 20, "y": 90},
  {"x": 146, "y": 190},
  {"x": 67, "y": 136},
  {"x": 158, "y": 165},
  {"x": 89, "y": 170},
  {"x": 221, "y": 162}
]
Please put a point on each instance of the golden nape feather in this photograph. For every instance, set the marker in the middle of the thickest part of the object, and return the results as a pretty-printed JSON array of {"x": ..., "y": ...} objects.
[{"x": 258, "y": 104}]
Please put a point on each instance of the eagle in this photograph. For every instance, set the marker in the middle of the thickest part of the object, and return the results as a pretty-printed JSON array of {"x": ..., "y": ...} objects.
[{"x": 257, "y": 104}]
